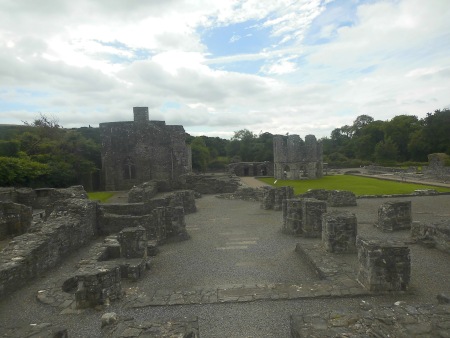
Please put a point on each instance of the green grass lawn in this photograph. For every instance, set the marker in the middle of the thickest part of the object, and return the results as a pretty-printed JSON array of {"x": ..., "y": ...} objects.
[
  {"x": 101, "y": 196},
  {"x": 356, "y": 184}
]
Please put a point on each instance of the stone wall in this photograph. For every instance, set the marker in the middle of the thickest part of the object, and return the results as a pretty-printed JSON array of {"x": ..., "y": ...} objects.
[
  {"x": 383, "y": 266},
  {"x": 141, "y": 150},
  {"x": 394, "y": 215},
  {"x": 339, "y": 230},
  {"x": 70, "y": 225},
  {"x": 433, "y": 234},
  {"x": 245, "y": 194},
  {"x": 251, "y": 168},
  {"x": 15, "y": 219},
  {"x": 210, "y": 183},
  {"x": 334, "y": 198},
  {"x": 273, "y": 197},
  {"x": 303, "y": 217}
]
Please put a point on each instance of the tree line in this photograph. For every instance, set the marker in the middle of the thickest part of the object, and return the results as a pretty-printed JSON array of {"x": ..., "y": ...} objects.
[{"x": 44, "y": 154}]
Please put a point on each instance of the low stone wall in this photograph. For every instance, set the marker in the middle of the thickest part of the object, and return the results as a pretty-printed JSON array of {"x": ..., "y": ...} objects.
[
  {"x": 434, "y": 234},
  {"x": 273, "y": 197},
  {"x": 334, "y": 198},
  {"x": 245, "y": 194},
  {"x": 303, "y": 217},
  {"x": 339, "y": 230},
  {"x": 209, "y": 183},
  {"x": 394, "y": 215},
  {"x": 383, "y": 266},
  {"x": 397, "y": 320},
  {"x": 15, "y": 219},
  {"x": 71, "y": 225}
]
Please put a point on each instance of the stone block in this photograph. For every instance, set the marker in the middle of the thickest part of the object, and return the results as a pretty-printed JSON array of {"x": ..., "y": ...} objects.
[
  {"x": 339, "y": 230},
  {"x": 383, "y": 266},
  {"x": 292, "y": 216},
  {"x": 341, "y": 198},
  {"x": 133, "y": 242},
  {"x": 312, "y": 217},
  {"x": 97, "y": 286},
  {"x": 15, "y": 219},
  {"x": 394, "y": 215}
]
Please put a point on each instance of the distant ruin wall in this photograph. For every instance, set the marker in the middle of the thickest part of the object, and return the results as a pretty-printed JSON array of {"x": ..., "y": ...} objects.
[
  {"x": 251, "y": 169},
  {"x": 295, "y": 159},
  {"x": 209, "y": 183}
]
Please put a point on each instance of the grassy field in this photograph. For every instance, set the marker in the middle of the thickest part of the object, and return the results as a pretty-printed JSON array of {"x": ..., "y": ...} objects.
[
  {"x": 356, "y": 184},
  {"x": 101, "y": 196}
]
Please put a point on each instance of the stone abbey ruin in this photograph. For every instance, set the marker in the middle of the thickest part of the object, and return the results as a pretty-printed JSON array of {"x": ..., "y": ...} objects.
[
  {"x": 178, "y": 254},
  {"x": 142, "y": 150}
]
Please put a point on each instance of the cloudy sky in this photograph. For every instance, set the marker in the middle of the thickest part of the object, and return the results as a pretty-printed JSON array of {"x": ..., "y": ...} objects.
[{"x": 218, "y": 66}]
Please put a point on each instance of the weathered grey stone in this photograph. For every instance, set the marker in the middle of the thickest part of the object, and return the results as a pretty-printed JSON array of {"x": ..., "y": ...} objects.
[
  {"x": 109, "y": 318},
  {"x": 303, "y": 217},
  {"x": 245, "y": 194},
  {"x": 71, "y": 225},
  {"x": 133, "y": 242},
  {"x": 341, "y": 198},
  {"x": 339, "y": 230},
  {"x": 394, "y": 215},
  {"x": 435, "y": 234},
  {"x": 97, "y": 286},
  {"x": 251, "y": 168},
  {"x": 295, "y": 159},
  {"x": 312, "y": 211},
  {"x": 210, "y": 183},
  {"x": 141, "y": 150},
  {"x": 15, "y": 219},
  {"x": 383, "y": 266},
  {"x": 273, "y": 197}
]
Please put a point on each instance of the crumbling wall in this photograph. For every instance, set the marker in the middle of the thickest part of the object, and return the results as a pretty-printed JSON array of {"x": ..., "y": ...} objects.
[
  {"x": 273, "y": 197},
  {"x": 210, "y": 183},
  {"x": 139, "y": 151},
  {"x": 251, "y": 168},
  {"x": 432, "y": 234},
  {"x": 15, "y": 219},
  {"x": 295, "y": 159},
  {"x": 70, "y": 225}
]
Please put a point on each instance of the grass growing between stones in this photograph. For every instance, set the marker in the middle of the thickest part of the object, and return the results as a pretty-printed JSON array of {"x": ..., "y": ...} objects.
[
  {"x": 101, "y": 196},
  {"x": 358, "y": 185}
]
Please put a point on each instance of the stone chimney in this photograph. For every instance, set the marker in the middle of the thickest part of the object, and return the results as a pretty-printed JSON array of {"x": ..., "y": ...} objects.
[{"x": 140, "y": 114}]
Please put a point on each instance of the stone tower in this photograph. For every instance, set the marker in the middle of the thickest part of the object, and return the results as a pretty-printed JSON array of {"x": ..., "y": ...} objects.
[
  {"x": 138, "y": 151},
  {"x": 295, "y": 159}
]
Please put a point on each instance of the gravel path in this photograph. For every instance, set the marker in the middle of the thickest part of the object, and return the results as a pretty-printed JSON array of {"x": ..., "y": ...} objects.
[{"x": 236, "y": 242}]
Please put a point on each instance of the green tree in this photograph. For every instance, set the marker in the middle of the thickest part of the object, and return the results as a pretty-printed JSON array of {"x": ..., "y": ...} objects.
[
  {"x": 400, "y": 130},
  {"x": 386, "y": 151},
  {"x": 200, "y": 154},
  {"x": 21, "y": 171}
]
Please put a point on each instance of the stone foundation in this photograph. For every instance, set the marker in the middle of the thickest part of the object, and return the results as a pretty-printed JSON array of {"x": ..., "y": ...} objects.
[
  {"x": 339, "y": 231},
  {"x": 341, "y": 198},
  {"x": 393, "y": 216},
  {"x": 133, "y": 242},
  {"x": 383, "y": 266},
  {"x": 210, "y": 183},
  {"x": 434, "y": 235},
  {"x": 303, "y": 217},
  {"x": 273, "y": 197},
  {"x": 15, "y": 219},
  {"x": 97, "y": 286}
]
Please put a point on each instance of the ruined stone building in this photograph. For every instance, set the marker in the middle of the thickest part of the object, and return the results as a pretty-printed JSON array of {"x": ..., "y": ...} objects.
[
  {"x": 138, "y": 151},
  {"x": 251, "y": 168},
  {"x": 295, "y": 159}
]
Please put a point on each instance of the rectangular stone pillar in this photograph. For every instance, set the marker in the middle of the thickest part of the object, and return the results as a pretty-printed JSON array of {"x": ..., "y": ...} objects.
[
  {"x": 383, "y": 266},
  {"x": 312, "y": 217},
  {"x": 394, "y": 216},
  {"x": 133, "y": 242},
  {"x": 292, "y": 216},
  {"x": 339, "y": 231}
]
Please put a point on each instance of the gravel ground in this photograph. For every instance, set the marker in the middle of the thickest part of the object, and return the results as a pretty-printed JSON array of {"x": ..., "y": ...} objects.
[{"x": 235, "y": 242}]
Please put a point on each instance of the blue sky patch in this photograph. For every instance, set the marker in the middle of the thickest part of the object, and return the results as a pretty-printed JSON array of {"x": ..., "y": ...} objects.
[{"x": 242, "y": 38}]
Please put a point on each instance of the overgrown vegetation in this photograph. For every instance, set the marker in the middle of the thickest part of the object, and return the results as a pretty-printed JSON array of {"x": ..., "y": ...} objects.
[
  {"x": 101, "y": 196},
  {"x": 357, "y": 184},
  {"x": 63, "y": 157}
]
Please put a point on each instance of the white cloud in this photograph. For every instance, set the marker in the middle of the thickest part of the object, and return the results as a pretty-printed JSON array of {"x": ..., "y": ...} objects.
[{"x": 92, "y": 61}]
